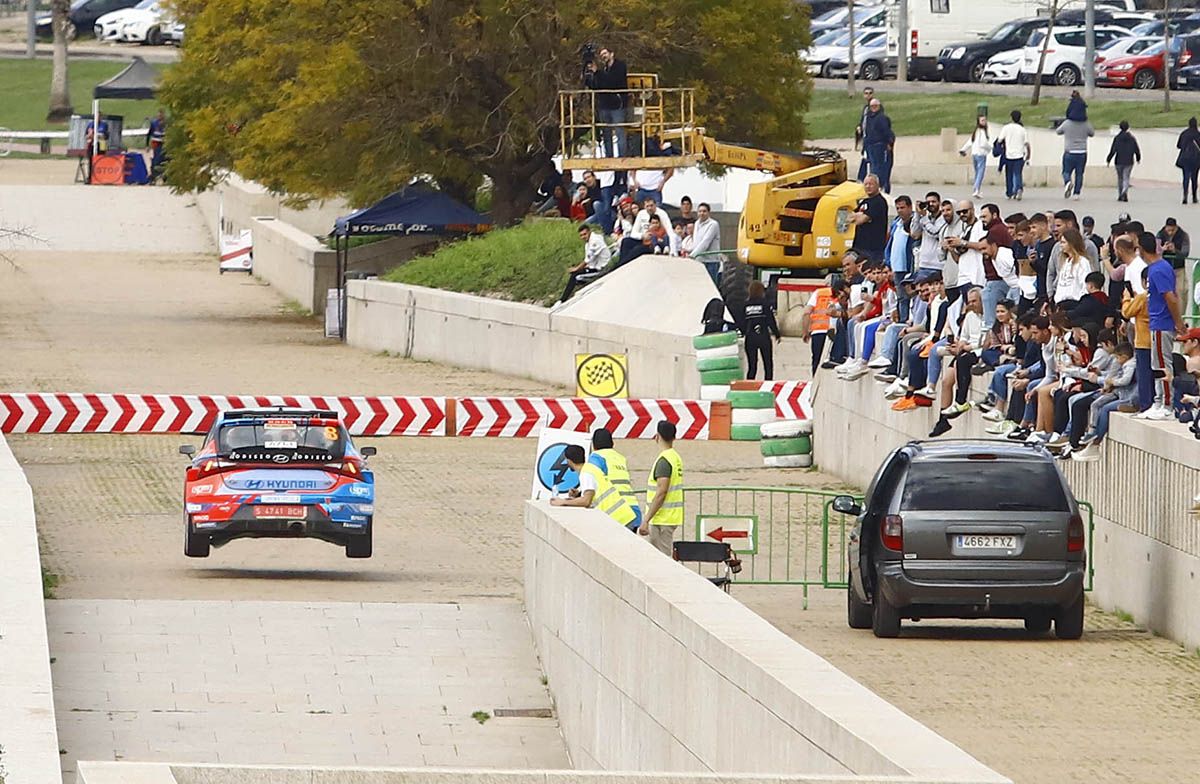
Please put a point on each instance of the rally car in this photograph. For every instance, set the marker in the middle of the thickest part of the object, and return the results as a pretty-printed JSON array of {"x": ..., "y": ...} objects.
[{"x": 278, "y": 472}]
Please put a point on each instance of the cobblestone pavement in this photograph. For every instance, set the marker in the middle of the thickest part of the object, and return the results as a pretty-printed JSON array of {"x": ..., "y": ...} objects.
[
  {"x": 1121, "y": 705},
  {"x": 318, "y": 683}
]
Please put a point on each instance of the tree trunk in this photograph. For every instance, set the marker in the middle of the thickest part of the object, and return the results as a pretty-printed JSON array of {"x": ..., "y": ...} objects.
[
  {"x": 512, "y": 193},
  {"x": 60, "y": 95},
  {"x": 1037, "y": 79},
  {"x": 464, "y": 191}
]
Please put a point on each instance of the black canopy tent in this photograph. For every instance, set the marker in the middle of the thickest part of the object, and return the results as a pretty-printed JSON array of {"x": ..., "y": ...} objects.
[
  {"x": 414, "y": 210},
  {"x": 137, "y": 81}
]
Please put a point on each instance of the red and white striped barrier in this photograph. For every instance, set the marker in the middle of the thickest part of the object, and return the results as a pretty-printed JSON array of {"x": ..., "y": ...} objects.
[
  {"x": 793, "y": 399},
  {"x": 91, "y": 413},
  {"x": 521, "y": 417}
]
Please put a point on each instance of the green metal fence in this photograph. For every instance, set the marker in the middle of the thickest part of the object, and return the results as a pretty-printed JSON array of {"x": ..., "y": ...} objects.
[{"x": 788, "y": 535}]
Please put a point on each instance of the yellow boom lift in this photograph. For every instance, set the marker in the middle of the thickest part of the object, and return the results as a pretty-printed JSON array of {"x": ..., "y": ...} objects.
[{"x": 798, "y": 222}]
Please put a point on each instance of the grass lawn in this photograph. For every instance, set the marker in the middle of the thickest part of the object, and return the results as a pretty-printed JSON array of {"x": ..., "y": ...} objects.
[
  {"x": 832, "y": 115},
  {"x": 25, "y": 87},
  {"x": 525, "y": 263}
]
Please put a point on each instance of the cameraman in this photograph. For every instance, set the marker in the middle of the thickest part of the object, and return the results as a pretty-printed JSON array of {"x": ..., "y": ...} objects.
[{"x": 607, "y": 73}]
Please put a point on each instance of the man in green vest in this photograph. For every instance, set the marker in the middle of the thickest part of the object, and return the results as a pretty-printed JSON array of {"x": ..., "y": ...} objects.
[
  {"x": 594, "y": 489},
  {"x": 664, "y": 515},
  {"x": 616, "y": 469}
]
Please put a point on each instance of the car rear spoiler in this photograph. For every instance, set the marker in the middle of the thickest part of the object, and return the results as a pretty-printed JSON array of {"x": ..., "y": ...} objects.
[{"x": 276, "y": 411}]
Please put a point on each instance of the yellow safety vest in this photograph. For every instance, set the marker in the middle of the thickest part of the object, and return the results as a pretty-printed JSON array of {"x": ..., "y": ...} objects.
[
  {"x": 608, "y": 498},
  {"x": 618, "y": 474},
  {"x": 671, "y": 511}
]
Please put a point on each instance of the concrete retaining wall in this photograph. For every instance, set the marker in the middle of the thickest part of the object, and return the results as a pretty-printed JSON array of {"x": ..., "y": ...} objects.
[
  {"x": 1147, "y": 546},
  {"x": 654, "y": 669},
  {"x": 28, "y": 734},
  {"x": 511, "y": 338}
]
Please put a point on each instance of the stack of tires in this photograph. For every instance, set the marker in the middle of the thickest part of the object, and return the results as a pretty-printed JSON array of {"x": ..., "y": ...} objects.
[
  {"x": 719, "y": 361},
  {"x": 749, "y": 411},
  {"x": 787, "y": 443}
]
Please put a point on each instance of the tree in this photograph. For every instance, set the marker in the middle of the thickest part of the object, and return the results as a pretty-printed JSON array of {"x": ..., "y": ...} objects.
[
  {"x": 356, "y": 98},
  {"x": 1048, "y": 33},
  {"x": 60, "y": 95}
]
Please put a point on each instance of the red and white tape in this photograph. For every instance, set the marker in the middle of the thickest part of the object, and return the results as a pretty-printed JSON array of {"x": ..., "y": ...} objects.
[
  {"x": 95, "y": 413},
  {"x": 521, "y": 417}
]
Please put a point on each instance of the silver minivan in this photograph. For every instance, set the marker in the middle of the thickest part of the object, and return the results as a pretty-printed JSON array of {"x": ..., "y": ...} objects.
[{"x": 966, "y": 529}]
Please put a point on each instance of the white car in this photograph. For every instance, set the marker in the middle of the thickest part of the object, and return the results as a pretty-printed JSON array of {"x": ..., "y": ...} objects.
[
  {"x": 1064, "y": 54},
  {"x": 1124, "y": 47},
  {"x": 835, "y": 45},
  {"x": 109, "y": 26},
  {"x": 145, "y": 25},
  {"x": 173, "y": 33},
  {"x": 1003, "y": 67}
]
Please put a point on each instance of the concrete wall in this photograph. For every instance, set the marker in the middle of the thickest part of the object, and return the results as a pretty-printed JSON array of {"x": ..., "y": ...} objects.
[
  {"x": 654, "y": 669},
  {"x": 28, "y": 734},
  {"x": 511, "y": 338},
  {"x": 1147, "y": 546},
  {"x": 245, "y": 200},
  {"x": 299, "y": 266}
]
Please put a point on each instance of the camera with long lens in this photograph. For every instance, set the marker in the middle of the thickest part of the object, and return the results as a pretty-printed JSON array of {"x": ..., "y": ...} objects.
[{"x": 588, "y": 56}]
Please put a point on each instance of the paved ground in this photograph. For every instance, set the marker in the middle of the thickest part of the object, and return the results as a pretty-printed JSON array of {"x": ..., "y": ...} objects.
[
  {"x": 1050, "y": 92},
  {"x": 1119, "y": 706},
  {"x": 308, "y": 682}
]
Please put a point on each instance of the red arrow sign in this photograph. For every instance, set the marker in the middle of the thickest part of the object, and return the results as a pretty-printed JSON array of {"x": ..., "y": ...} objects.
[{"x": 720, "y": 534}]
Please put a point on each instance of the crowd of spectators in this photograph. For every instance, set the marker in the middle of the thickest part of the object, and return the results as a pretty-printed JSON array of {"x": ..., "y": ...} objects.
[{"x": 1065, "y": 326}]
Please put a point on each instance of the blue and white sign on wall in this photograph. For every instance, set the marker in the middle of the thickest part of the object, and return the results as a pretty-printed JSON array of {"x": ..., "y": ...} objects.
[{"x": 551, "y": 474}]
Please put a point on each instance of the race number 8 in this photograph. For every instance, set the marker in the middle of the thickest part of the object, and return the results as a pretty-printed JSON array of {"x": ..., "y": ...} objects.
[{"x": 331, "y": 434}]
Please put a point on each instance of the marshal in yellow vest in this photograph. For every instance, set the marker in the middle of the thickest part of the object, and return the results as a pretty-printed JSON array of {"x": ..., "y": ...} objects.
[
  {"x": 671, "y": 511},
  {"x": 608, "y": 498}
]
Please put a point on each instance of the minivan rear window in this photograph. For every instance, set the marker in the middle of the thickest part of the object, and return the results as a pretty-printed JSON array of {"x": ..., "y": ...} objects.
[{"x": 993, "y": 485}]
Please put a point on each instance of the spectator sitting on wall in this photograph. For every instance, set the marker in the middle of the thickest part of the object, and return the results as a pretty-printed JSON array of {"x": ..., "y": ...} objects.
[
  {"x": 595, "y": 258},
  {"x": 557, "y": 206},
  {"x": 581, "y": 204}
]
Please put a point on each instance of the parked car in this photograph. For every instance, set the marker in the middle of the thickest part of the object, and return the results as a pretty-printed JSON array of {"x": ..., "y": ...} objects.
[
  {"x": 1141, "y": 71},
  {"x": 1185, "y": 51},
  {"x": 278, "y": 472},
  {"x": 173, "y": 33},
  {"x": 145, "y": 26},
  {"x": 871, "y": 60},
  {"x": 1178, "y": 27},
  {"x": 966, "y": 529},
  {"x": 1003, "y": 67},
  {"x": 109, "y": 26},
  {"x": 1064, "y": 54},
  {"x": 819, "y": 57},
  {"x": 864, "y": 16},
  {"x": 966, "y": 61},
  {"x": 82, "y": 17},
  {"x": 1128, "y": 20}
]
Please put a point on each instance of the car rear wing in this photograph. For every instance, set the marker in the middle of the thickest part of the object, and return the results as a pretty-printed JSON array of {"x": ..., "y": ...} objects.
[{"x": 274, "y": 412}]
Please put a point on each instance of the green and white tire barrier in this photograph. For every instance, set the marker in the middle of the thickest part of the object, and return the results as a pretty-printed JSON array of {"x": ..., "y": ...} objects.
[
  {"x": 719, "y": 363},
  {"x": 714, "y": 340},
  {"x": 787, "y": 443},
  {"x": 777, "y": 447},
  {"x": 787, "y": 428},
  {"x": 740, "y": 398},
  {"x": 725, "y": 377},
  {"x": 788, "y": 461},
  {"x": 720, "y": 352},
  {"x": 752, "y": 416},
  {"x": 744, "y": 433},
  {"x": 713, "y": 391}
]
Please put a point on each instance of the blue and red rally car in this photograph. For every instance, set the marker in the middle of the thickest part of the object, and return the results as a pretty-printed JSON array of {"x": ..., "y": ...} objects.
[{"x": 278, "y": 472}]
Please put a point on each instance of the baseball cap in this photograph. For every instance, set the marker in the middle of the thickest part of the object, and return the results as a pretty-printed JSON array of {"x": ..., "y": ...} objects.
[
  {"x": 1191, "y": 334},
  {"x": 909, "y": 279},
  {"x": 1171, "y": 222}
]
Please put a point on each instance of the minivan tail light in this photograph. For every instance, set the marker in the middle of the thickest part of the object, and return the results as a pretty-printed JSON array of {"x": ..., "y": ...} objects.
[
  {"x": 1076, "y": 537},
  {"x": 892, "y": 532}
]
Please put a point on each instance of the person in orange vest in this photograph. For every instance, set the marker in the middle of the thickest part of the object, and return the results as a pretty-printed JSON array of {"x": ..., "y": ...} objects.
[{"x": 819, "y": 316}]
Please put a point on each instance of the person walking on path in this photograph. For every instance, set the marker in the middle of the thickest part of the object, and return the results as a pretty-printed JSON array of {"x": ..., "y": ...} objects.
[
  {"x": 1166, "y": 320},
  {"x": 616, "y": 469},
  {"x": 1075, "y": 135},
  {"x": 979, "y": 146},
  {"x": 1124, "y": 153},
  {"x": 1015, "y": 151},
  {"x": 1188, "y": 159},
  {"x": 759, "y": 326},
  {"x": 878, "y": 142},
  {"x": 594, "y": 491},
  {"x": 664, "y": 515}
]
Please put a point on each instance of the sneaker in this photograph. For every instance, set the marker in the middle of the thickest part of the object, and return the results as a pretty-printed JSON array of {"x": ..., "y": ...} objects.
[
  {"x": 1038, "y": 437},
  {"x": 1065, "y": 452},
  {"x": 941, "y": 428},
  {"x": 1076, "y": 197},
  {"x": 879, "y": 362},
  {"x": 1018, "y": 434},
  {"x": 897, "y": 389},
  {"x": 907, "y": 403},
  {"x": 829, "y": 364},
  {"x": 854, "y": 374},
  {"x": 927, "y": 391},
  {"x": 981, "y": 369},
  {"x": 848, "y": 366},
  {"x": 1088, "y": 454},
  {"x": 1002, "y": 428},
  {"x": 922, "y": 401},
  {"x": 1020, "y": 194},
  {"x": 1058, "y": 443},
  {"x": 995, "y": 415},
  {"x": 1159, "y": 414},
  {"x": 886, "y": 378},
  {"x": 955, "y": 410},
  {"x": 1067, "y": 191}
]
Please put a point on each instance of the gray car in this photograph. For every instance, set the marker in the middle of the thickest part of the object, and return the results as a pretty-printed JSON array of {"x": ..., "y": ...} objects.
[{"x": 966, "y": 529}]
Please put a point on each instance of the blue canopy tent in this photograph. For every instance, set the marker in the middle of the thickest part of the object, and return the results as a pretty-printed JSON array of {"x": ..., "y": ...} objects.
[{"x": 414, "y": 210}]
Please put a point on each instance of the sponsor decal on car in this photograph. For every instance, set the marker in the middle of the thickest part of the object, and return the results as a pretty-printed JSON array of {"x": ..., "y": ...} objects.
[
  {"x": 363, "y": 491},
  {"x": 194, "y": 508},
  {"x": 279, "y": 499},
  {"x": 279, "y": 444},
  {"x": 201, "y": 489}
]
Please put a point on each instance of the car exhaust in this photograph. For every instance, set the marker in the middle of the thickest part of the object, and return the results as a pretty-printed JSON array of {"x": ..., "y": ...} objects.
[{"x": 296, "y": 527}]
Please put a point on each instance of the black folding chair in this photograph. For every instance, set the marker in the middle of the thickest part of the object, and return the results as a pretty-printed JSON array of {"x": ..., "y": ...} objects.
[{"x": 710, "y": 552}]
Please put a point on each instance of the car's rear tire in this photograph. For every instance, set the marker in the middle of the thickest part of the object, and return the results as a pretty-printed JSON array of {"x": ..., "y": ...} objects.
[
  {"x": 359, "y": 545},
  {"x": 1068, "y": 625},
  {"x": 885, "y": 619},
  {"x": 1145, "y": 79},
  {"x": 154, "y": 37},
  {"x": 872, "y": 71},
  {"x": 1038, "y": 623},
  {"x": 1067, "y": 75},
  {"x": 195, "y": 545},
  {"x": 858, "y": 615}
]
